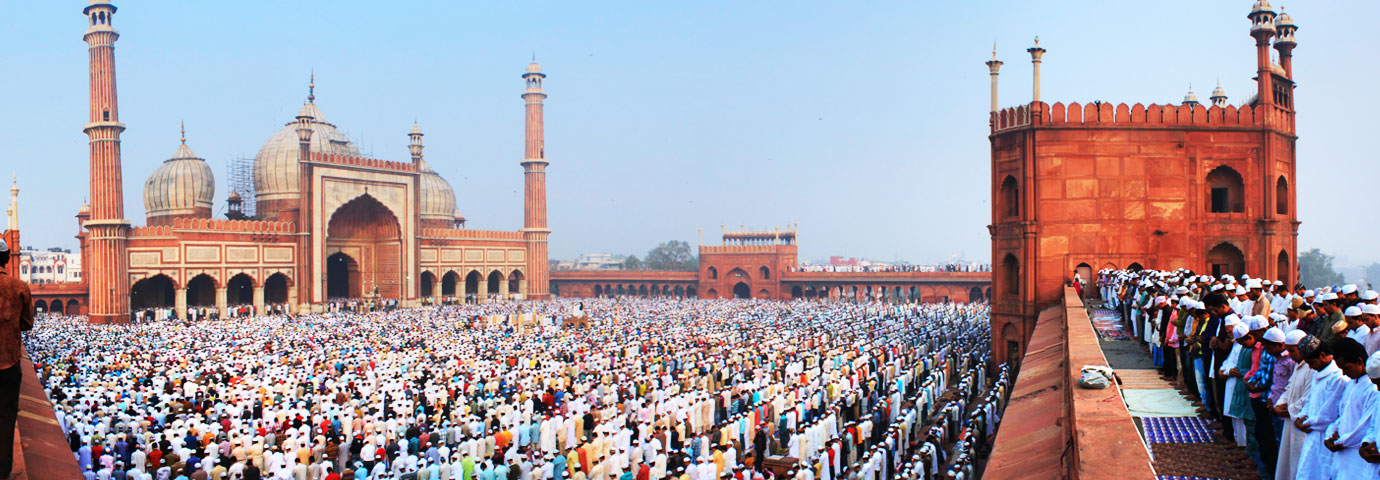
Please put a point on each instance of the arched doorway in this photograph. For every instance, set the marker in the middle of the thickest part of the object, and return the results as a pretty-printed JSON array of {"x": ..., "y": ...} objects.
[
  {"x": 598, "y": 290},
  {"x": 342, "y": 276},
  {"x": 1225, "y": 258},
  {"x": 680, "y": 291},
  {"x": 713, "y": 293},
  {"x": 1282, "y": 196},
  {"x": 1135, "y": 267},
  {"x": 763, "y": 293},
  {"x": 426, "y": 282},
  {"x": 1010, "y": 199},
  {"x": 975, "y": 295},
  {"x": 56, "y": 307},
  {"x": 1012, "y": 338},
  {"x": 276, "y": 289},
  {"x": 516, "y": 284},
  {"x": 495, "y": 282},
  {"x": 201, "y": 291},
  {"x": 448, "y": 283},
  {"x": 73, "y": 308},
  {"x": 642, "y": 291},
  {"x": 1225, "y": 191},
  {"x": 472, "y": 282},
  {"x": 153, "y": 292},
  {"x": 797, "y": 293},
  {"x": 1010, "y": 276},
  {"x": 1283, "y": 270},
  {"x": 239, "y": 290},
  {"x": 619, "y": 291},
  {"x": 40, "y": 306},
  {"x": 741, "y": 290},
  {"x": 369, "y": 234}
]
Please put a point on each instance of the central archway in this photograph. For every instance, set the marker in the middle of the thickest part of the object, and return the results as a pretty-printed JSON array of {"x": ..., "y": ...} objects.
[
  {"x": 741, "y": 290},
  {"x": 153, "y": 292},
  {"x": 342, "y": 276},
  {"x": 368, "y": 234}
]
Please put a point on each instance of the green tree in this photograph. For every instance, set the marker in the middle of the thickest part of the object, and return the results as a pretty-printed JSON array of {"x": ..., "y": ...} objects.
[
  {"x": 1315, "y": 269},
  {"x": 632, "y": 263},
  {"x": 674, "y": 255}
]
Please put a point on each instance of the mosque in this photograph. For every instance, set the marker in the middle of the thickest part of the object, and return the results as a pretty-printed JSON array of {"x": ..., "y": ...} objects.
[{"x": 329, "y": 222}]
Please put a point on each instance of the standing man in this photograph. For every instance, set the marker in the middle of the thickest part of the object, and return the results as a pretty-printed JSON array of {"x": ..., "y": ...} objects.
[{"x": 16, "y": 315}]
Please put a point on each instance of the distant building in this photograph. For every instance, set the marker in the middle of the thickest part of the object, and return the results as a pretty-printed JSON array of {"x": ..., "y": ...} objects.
[
  {"x": 54, "y": 265},
  {"x": 598, "y": 261}
]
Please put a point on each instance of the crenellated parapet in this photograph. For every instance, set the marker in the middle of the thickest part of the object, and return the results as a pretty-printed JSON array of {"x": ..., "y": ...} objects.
[
  {"x": 362, "y": 162},
  {"x": 212, "y": 226},
  {"x": 1104, "y": 114},
  {"x": 467, "y": 234}
]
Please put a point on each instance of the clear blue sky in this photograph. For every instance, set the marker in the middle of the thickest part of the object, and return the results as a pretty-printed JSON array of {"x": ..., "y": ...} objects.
[{"x": 865, "y": 123}]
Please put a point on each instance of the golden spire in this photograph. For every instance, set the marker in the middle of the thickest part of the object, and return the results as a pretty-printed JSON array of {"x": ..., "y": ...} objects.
[
  {"x": 311, "y": 88},
  {"x": 183, "y": 126}
]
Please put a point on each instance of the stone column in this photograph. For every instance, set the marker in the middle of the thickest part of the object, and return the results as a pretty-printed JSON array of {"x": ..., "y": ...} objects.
[
  {"x": 258, "y": 299},
  {"x": 503, "y": 289},
  {"x": 522, "y": 287},
  {"x": 483, "y": 290},
  {"x": 180, "y": 303},
  {"x": 221, "y": 293},
  {"x": 292, "y": 305}
]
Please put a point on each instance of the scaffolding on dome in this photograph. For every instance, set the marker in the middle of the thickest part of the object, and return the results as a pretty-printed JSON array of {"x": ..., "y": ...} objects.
[{"x": 241, "y": 180}]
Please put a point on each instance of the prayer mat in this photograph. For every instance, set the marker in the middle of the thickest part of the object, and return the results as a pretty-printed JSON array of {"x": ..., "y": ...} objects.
[
  {"x": 1176, "y": 430},
  {"x": 1160, "y": 402}
]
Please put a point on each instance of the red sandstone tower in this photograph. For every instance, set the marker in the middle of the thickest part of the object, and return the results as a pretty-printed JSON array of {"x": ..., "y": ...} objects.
[
  {"x": 1080, "y": 188},
  {"x": 107, "y": 271},
  {"x": 534, "y": 229}
]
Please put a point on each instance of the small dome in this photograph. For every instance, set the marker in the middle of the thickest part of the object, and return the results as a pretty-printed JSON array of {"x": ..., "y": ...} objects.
[
  {"x": 1218, "y": 92},
  {"x": 416, "y": 130},
  {"x": 234, "y": 197},
  {"x": 533, "y": 68},
  {"x": 275, "y": 166},
  {"x": 85, "y": 209},
  {"x": 438, "y": 198},
  {"x": 1190, "y": 97},
  {"x": 1284, "y": 20},
  {"x": 182, "y": 185},
  {"x": 1262, "y": 6}
]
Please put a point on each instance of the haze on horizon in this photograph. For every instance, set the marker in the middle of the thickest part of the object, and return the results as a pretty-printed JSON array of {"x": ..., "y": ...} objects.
[{"x": 867, "y": 126}]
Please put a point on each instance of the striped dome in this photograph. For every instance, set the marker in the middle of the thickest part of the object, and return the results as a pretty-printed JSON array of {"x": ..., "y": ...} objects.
[
  {"x": 275, "y": 167},
  {"x": 438, "y": 198},
  {"x": 180, "y": 186}
]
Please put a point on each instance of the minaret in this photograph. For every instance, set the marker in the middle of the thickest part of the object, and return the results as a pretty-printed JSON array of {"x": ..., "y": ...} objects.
[
  {"x": 108, "y": 269},
  {"x": 13, "y": 211},
  {"x": 1035, "y": 53},
  {"x": 1262, "y": 28},
  {"x": 304, "y": 217},
  {"x": 534, "y": 163},
  {"x": 1285, "y": 42},
  {"x": 414, "y": 142},
  {"x": 993, "y": 66}
]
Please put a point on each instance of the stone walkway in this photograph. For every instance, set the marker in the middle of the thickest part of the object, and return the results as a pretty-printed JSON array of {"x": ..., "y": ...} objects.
[{"x": 1183, "y": 442}]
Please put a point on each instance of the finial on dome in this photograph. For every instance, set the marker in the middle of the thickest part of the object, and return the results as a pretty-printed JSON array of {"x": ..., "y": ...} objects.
[
  {"x": 183, "y": 126},
  {"x": 311, "y": 87},
  {"x": 994, "y": 49}
]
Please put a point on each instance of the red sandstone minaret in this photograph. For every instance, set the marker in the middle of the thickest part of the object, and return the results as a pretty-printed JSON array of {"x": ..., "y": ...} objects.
[
  {"x": 107, "y": 272},
  {"x": 534, "y": 163}
]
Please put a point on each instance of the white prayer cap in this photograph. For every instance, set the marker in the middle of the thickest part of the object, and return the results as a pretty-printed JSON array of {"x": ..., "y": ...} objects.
[
  {"x": 1228, "y": 277},
  {"x": 1274, "y": 334},
  {"x": 1231, "y": 320},
  {"x": 1181, "y": 290},
  {"x": 1253, "y": 283},
  {"x": 1258, "y": 322},
  {"x": 1309, "y": 293},
  {"x": 1278, "y": 317},
  {"x": 1294, "y": 336},
  {"x": 1279, "y": 283},
  {"x": 1370, "y": 309},
  {"x": 1352, "y": 311},
  {"x": 1240, "y": 330},
  {"x": 1373, "y": 365},
  {"x": 1328, "y": 296},
  {"x": 1241, "y": 291},
  {"x": 1216, "y": 287},
  {"x": 1348, "y": 289},
  {"x": 1370, "y": 295}
]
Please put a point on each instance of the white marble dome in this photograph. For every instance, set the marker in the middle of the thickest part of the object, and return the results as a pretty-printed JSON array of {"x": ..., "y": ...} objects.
[
  {"x": 180, "y": 186},
  {"x": 438, "y": 198},
  {"x": 275, "y": 167}
]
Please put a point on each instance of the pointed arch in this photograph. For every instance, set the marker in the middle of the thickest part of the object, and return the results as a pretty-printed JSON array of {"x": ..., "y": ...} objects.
[
  {"x": 1225, "y": 190},
  {"x": 1226, "y": 258}
]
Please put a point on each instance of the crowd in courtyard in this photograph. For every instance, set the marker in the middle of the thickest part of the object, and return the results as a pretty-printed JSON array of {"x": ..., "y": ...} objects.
[
  {"x": 648, "y": 389},
  {"x": 1288, "y": 372}
]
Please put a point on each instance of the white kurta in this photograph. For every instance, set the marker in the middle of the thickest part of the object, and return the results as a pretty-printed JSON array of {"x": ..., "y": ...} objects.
[
  {"x": 1321, "y": 408},
  {"x": 1291, "y": 439},
  {"x": 1351, "y": 427}
]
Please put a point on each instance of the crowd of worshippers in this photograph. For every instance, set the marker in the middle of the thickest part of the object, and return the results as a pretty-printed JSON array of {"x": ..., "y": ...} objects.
[
  {"x": 654, "y": 389},
  {"x": 1290, "y": 374}
]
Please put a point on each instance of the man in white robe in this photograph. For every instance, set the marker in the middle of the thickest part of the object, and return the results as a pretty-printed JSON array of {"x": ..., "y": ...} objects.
[
  {"x": 1344, "y": 436},
  {"x": 1320, "y": 409},
  {"x": 1290, "y": 405}
]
